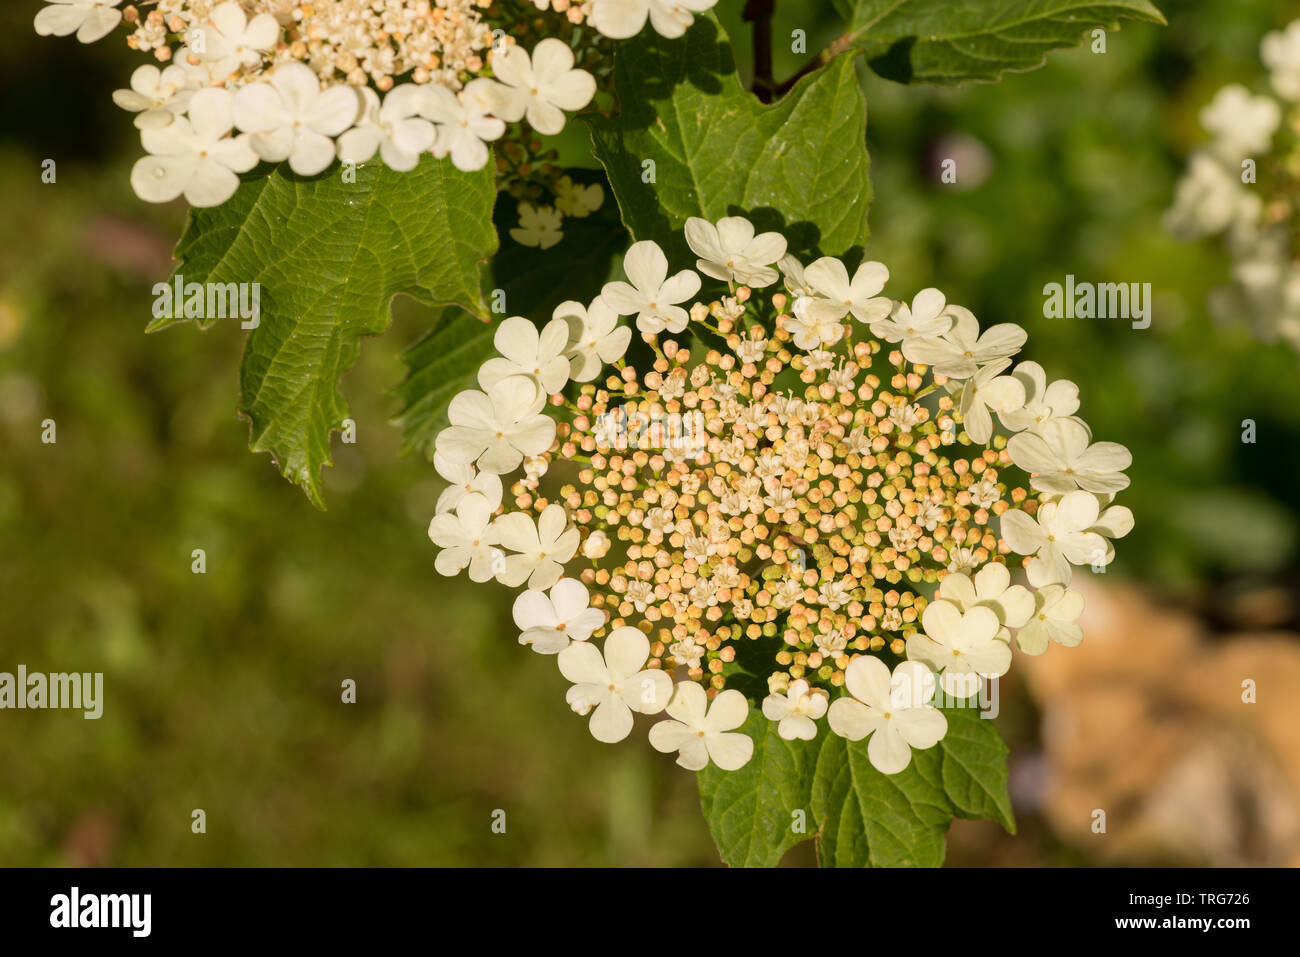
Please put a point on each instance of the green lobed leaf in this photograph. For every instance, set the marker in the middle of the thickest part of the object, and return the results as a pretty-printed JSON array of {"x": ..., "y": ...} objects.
[
  {"x": 520, "y": 280},
  {"x": 798, "y": 166},
  {"x": 863, "y": 818},
  {"x": 946, "y": 42},
  {"x": 330, "y": 256},
  {"x": 751, "y": 811}
]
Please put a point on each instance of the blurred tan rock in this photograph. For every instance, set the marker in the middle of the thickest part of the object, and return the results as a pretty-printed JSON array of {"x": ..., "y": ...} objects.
[{"x": 1146, "y": 721}]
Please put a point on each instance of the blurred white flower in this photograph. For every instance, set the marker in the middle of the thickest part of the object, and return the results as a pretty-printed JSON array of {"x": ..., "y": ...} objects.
[
  {"x": 620, "y": 19},
  {"x": 539, "y": 226}
]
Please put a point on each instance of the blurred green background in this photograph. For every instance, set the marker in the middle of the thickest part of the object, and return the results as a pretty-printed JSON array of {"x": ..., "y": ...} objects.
[{"x": 223, "y": 689}]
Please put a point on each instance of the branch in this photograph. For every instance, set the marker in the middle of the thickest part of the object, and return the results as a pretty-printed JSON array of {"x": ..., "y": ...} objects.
[{"x": 759, "y": 13}]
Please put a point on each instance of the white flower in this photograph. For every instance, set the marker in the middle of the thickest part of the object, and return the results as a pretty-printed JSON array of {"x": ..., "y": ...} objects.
[
  {"x": 991, "y": 588},
  {"x": 1058, "y": 536},
  {"x": 596, "y": 545},
  {"x": 496, "y": 430},
  {"x": 156, "y": 96},
  {"x": 894, "y": 710},
  {"x": 466, "y": 537},
  {"x": 394, "y": 130},
  {"x": 703, "y": 731},
  {"x": 292, "y": 118},
  {"x": 652, "y": 295},
  {"x": 539, "y": 226},
  {"x": 539, "y": 356},
  {"x": 464, "y": 480},
  {"x": 837, "y": 295},
  {"x": 614, "y": 684},
  {"x": 815, "y": 323},
  {"x": 465, "y": 123},
  {"x": 1056, "y": 609},
  {"x": 550, "y": 622},
  {"x": 963, "y": 348},
  {"x": 751, "y": 348},
  {"x": 193, "y": 155},
  {"x": 595, "y": 337},
  {"x": 91, "y": 20},
  {"x": 1062, "y": 457},
  {"x": 229, "y": 40},
  {"x": 1280, "y": 51},
  {"x": 543, "y": 547},
  {"x": 985, "y": 391},
  {"x": 730, "y": 251},
  {"x": 577, "y": 199},
  {"x": 1242, "y": 124},
  {"x": 796, "y": 712},
  {"x": 965, "y": 646},
  {"x": 924, "y": 319},
  {"x": 620, "y": 19},
  {"x": 1043, "y": 402},
  {"x": 793, "y": 278},
  {"x": 539, "y": 88},
  {"x": 1208, "y": 199}
]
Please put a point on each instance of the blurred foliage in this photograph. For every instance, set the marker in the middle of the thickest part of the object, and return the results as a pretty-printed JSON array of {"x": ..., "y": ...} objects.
[{"x": 223, "y": 689}]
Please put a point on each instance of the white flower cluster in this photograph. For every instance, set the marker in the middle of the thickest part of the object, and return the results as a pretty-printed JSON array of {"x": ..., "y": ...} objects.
[
  {"x": 789, "y": 515},
  {"x": 238, "y": 81},
  {"x": 1242, "y": 185}
]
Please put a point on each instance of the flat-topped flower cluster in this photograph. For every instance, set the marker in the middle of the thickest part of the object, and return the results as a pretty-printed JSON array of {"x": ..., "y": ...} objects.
[
  {"x": 804, "y": 486},
  {"x": 236, "y": 82},
  {"x": 1242, "y": 185}
]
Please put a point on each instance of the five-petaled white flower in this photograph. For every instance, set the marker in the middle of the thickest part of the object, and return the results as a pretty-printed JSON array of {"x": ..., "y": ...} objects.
[
  {"x": 595, "y": 337},
  {"x": 991, "y": 588},
  {"x": 620, "y": 19},
  {"x": 893, "y": 709},
  {"x": 495, "y": 431},
  {"x": 156, "y": 95},
  {"x": 615, "y": 683},
  {"x": 91, "y": 20},
  {"x": 837, "y": 295},
  {"x": 193, "y": 155},
  {"x": 730, "y": 251},
  {"x": 989, "y": 390},
  {"x": 292, "y": 119},
  {"x": 652, "y": 295},
  {"x": 701, "y": 731},
  {"x": 965, "y": 646},
  {"x": 796, "y": 712},
  {"x": 466, "y": 537},
  {"x": 961, "y": 350},
  {"x": 1061, "y": 456},
  {"x": 540, "y": 356},
  {"x": 1043, "y": 402},
  {"x": 394, "y": 129},
  {"x": 1056, "y": 611},
  {"x": 925, "y": 318},
  {"x": 542, "y": 546},
  {"x": 539, "y": 226},
  {"x": 465, "y": 123},
  {"x": 1060, "y": 535},
  {"x": 539, "y": 88},
  {"x": 549, "y": 622}
]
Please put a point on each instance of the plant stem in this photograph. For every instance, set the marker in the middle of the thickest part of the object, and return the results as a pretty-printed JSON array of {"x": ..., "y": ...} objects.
[{"x": 759, "y": 13}]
